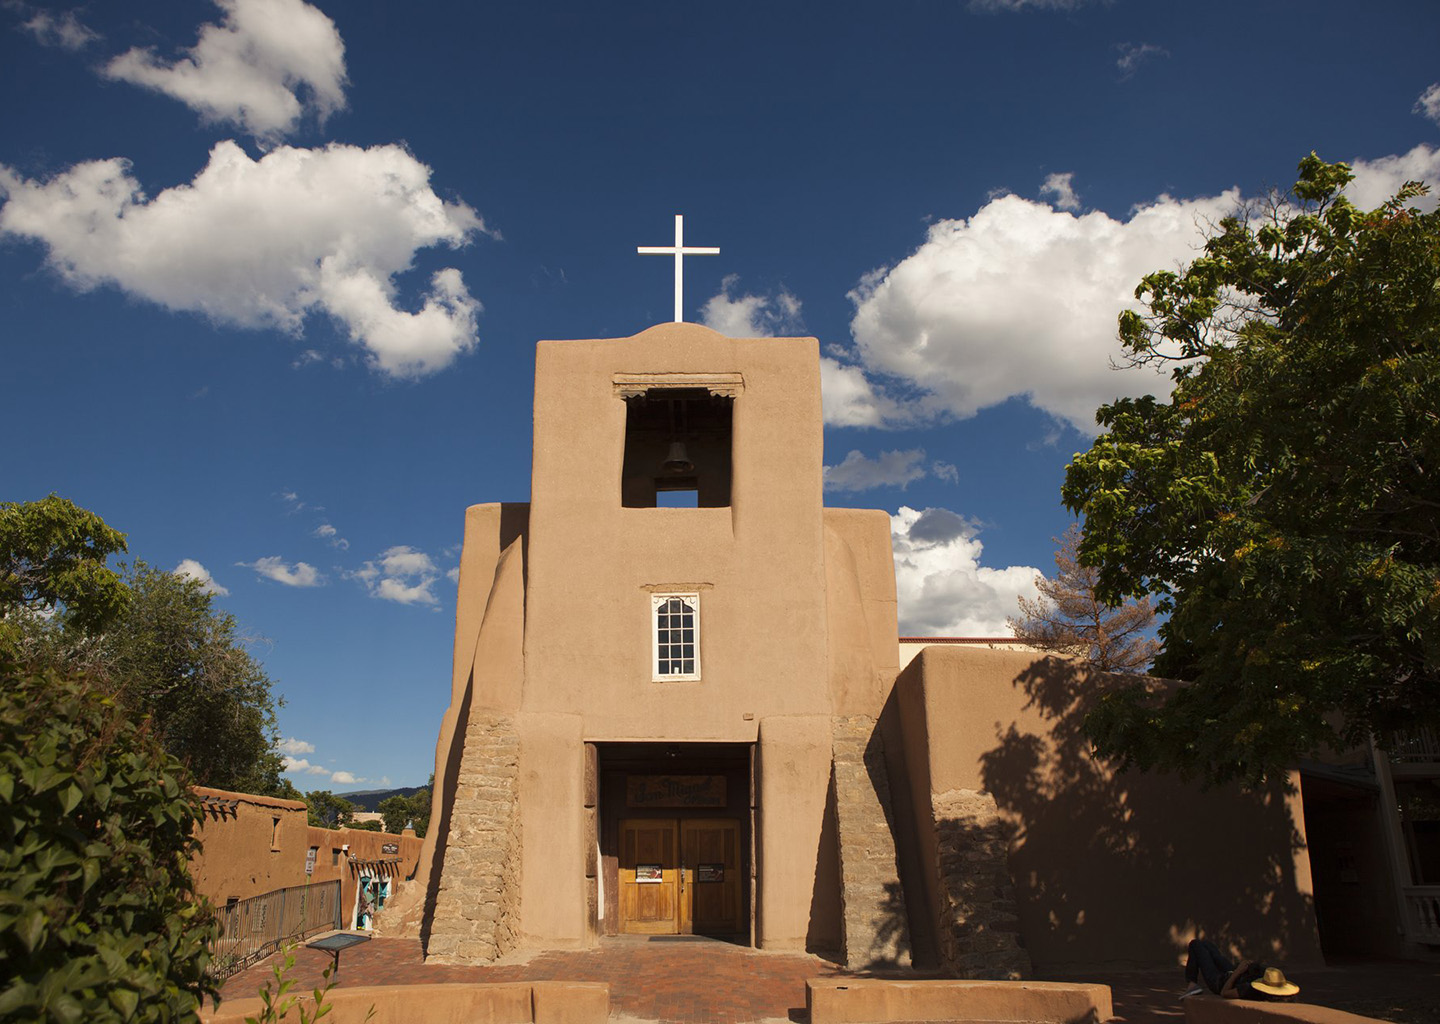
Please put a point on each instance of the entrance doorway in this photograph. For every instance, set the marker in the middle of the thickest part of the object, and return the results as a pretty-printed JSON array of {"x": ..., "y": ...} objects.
[
  {"x": 673, "y": 835},
  {"x": 680, "y": 876}
]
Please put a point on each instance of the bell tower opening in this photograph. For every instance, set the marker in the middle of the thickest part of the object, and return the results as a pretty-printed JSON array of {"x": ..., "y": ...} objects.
[{"x": 677, "y": 448}]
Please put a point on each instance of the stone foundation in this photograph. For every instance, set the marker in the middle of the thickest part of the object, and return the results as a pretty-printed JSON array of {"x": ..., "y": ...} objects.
[
  {"x": 979, "y": 924},
  {"x": 477, "y": 905},
  {"x": 877, "y": 927}
]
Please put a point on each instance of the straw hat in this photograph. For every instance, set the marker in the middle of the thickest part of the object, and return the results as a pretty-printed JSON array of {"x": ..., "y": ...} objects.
[{"x": 1274, "y": 983}]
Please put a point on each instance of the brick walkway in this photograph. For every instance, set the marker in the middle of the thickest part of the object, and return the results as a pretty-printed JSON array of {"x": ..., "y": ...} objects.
[
  {"x": 696, "y": 981},
  {"x": 710, "y": 982}
]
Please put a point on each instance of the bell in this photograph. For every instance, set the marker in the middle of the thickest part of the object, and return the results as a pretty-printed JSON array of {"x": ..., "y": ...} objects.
[{"x": 677, "y": 461}]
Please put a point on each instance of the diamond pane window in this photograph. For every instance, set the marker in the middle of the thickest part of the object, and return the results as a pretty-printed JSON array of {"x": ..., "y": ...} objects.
[{"x": 676, "y": 636}]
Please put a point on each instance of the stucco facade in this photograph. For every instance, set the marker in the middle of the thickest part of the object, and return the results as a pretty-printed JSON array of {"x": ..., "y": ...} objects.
[
  {"x": 249, "y": 845},
  {"x": 253, "y": 845},
  {"x": 666, "y": 719}
]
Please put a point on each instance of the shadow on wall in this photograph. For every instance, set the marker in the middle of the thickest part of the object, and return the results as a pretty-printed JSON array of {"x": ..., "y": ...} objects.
[
  {"x": 825, "y": 936},
  {"x": 1126, "y": 868},
  {"x": 892, "y": 930}
]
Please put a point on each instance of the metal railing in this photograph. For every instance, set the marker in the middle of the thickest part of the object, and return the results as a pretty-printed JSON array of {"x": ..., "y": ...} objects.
[
  {"x": 1414, "y": 745},
  {"x": 1422, "y": 913},
  {"x": 250, "y": 930}
]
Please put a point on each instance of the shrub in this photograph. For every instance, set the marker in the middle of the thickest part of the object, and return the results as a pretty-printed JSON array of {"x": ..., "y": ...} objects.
[{"x": 98, "y": 918}]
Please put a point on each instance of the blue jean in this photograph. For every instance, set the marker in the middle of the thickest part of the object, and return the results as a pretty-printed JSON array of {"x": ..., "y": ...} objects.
[{"x": 1206, "y": 961}]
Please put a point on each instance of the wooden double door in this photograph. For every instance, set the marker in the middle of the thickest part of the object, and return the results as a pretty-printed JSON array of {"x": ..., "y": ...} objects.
[{"x": 680, "y": 876}]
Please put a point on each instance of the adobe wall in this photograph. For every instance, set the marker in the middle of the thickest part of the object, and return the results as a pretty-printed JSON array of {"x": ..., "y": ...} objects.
[
  {"x": 246, "y": 853},
  {"x": 333, "y": 861},
  {"x": 759, "y": 567},
  {"x": 757, "y": 564},
  {"x": 1110, "y": 869},
  {"x": 491, "y": 587},
  {"x": 254, "y": 847},
  {"x": 553, "y": 635},
  {"x": 860, "y": 609}
]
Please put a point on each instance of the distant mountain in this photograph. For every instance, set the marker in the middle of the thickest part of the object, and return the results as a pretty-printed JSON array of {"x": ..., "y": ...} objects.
[{"x": 369, "y": 799}]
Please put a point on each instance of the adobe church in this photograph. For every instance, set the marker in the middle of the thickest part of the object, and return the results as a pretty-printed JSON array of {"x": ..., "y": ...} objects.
[{"x": 678, "y": 708}]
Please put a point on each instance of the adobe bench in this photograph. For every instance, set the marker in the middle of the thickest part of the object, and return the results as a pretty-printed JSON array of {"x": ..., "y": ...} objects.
[
  {"x": 875, "y": 1001},
  {"x": 1207, "y": 1009},
  {"x": 526, "y": 1002}
]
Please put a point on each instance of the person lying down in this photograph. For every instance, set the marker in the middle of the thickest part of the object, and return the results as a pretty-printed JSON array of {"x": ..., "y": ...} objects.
[{"x": 1206, "y": 968}]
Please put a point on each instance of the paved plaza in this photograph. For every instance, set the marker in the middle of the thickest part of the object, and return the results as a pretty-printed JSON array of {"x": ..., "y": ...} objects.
[{"x": 701, "y": 981}]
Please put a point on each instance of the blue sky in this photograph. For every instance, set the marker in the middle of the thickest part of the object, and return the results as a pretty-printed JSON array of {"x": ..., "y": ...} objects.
[{"x": 271, "y": 272}]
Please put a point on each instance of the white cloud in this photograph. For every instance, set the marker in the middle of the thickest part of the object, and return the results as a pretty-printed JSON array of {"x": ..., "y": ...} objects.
[
  {"x": 947, "y": 471},
  {"x": 1133, "y": 55},
  {"x": 453, "y": 575},
  {"x": 391, "y": 589},
  {"x": 344, "y": 778},
  {"x": 1019, "y": 300},
  {"x": 942, "y": 588},
  {"x": 402, "y": 560},
  {"x": 850, "y": 399},
  {"x": 751, "y": 316},
  {"x": 298, "y": 765},
  {"x": 1377, "y": 180},
  {"x": 1060, "y": 186},
  {"x": 266, "y": 65},
  {"x": 273, "y": 567},
  {"x": 193, "y": 570},
  {"x": 64, "y": 30},
  {"x": 328, "y": 533},
  {"x": 265, "y": 243},
  {"x": 294, "y": 747},
  {"x": 856, "y": 472},
  {"x": 1428, "y": 105},
  {"x": 401, "y": 574}
]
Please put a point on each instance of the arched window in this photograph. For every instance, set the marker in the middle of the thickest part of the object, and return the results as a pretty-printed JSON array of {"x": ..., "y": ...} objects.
[{"x": 675, "y": 636}]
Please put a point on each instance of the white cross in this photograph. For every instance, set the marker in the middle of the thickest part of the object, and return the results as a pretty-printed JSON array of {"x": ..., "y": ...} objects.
[{"x": 680, "y": 251}]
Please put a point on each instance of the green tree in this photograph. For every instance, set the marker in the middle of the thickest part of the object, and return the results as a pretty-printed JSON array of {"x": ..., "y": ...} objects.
[
  {"x": 154, "y": 637},
  {"x": 414, "y": 810},
  {"x": 367, "y": 826},
  {"x": 177, "y": 657},
  {"x": 53, "y": 558},
  {"x": 1283, "y": 504},
  {"x": 328, "y": 810},
  {"x": 1067, "y": 616},
  {"x": 98, "y": 918}
]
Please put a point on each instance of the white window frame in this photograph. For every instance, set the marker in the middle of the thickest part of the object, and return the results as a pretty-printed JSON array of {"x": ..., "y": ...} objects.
[{"x": 658, "y": 601}]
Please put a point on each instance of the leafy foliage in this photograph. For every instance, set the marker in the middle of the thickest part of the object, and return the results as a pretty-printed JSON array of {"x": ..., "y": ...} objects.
[
  {"x": 98, "y": 919},
  {"x": 1069, "y": 618},
  {"x": 414, "y": 809},
  {"x": 180, "y": 659},
  {"x": 52, "y": 556},
  {"x": 154, "y": 637},
  {"x": 276, "y": 1001},
  {"x": 1283, "y": 504},
  {"x": 327, "y": 810}
]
